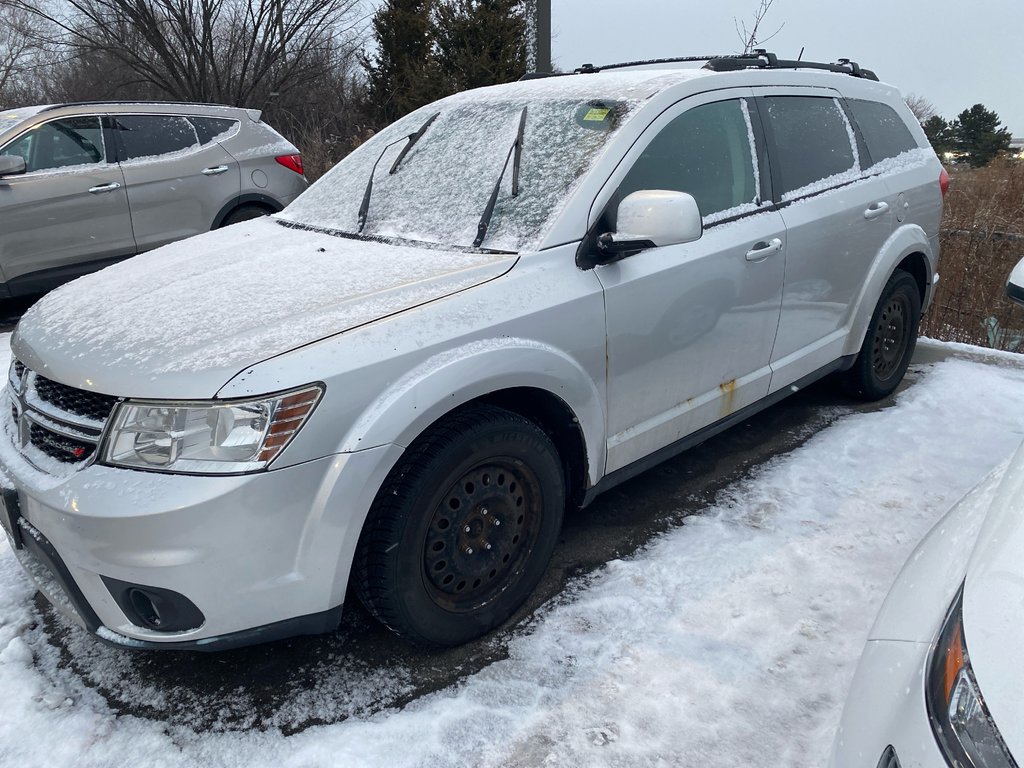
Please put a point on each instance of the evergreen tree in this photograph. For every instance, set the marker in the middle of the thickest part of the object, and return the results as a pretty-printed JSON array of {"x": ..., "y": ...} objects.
[
  {"x": 940, "y": 135},
  {"x": 976, "y": 133},
  {"x": 480, "y": 42},
  {"x": 403, "y": 74}
]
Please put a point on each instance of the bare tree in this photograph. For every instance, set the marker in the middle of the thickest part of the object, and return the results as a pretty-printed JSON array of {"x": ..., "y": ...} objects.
[
  {"x": 241, "y": 52},
  {"x": 21, "y": 48},
  {"x": 921, "y": 107},
  {"x": 751, "y": 37}
]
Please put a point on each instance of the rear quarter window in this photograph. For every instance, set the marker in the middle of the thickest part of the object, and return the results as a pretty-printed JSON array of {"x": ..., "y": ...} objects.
[
  {"x": 814, "y": 144},
  {"x": 884, "y": 131},
  {"x": 210, "y": 129}
]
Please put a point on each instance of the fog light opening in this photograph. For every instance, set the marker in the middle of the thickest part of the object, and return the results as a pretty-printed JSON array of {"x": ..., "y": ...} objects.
[{"x": 145, "y": 608}]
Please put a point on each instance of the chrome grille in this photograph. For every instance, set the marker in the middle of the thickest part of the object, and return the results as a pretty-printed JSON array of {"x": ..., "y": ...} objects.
[
  {"x": 91, "y": 405},
  {"x": 55, "y": 421}
]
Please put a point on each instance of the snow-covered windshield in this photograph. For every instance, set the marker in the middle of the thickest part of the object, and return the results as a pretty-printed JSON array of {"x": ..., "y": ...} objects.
[
  {"x": 442, "y": 185},
  {"x": 11, "y": 117}
]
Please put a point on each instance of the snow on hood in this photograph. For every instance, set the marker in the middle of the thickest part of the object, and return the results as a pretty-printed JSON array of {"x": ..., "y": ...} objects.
[
  {"x": 993, "y": 606},
  {"x": 180, "y": 321}
]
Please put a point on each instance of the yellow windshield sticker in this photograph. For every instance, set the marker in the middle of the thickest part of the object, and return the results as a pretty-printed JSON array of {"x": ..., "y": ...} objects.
[{"x": 596, "y": 115}]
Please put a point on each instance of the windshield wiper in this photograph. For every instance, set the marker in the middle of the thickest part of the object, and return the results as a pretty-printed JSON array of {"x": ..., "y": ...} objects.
[
  {"x": 517, "y": 148},
  {"x": 411, "y": 139}
]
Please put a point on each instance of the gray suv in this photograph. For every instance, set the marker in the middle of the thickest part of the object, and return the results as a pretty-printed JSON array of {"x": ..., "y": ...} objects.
[
  {"x": 507, "y": 302},
  {"x": 84, "y": 185}
]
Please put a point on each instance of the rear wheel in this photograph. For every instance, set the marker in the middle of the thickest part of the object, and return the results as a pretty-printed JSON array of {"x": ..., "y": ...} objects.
[
  {"x": 244, "y": 213},
  {"x": 889, "y": 342},
  {"x": 463, "y": 528}
]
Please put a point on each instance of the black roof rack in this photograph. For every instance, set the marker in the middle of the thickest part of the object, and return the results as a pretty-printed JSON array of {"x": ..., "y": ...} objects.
[
  {"x": 762, "y": 59},
  {"x": 128, "y": 102},
  {"x": 759, "y": 59}
]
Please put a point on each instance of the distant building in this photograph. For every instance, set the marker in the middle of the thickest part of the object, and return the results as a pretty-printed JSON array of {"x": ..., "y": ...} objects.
[{"x": 1017, "y": 148}]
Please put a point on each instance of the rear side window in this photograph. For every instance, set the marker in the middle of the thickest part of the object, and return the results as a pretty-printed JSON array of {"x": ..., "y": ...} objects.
[
  {"x": 707, "y": 151},
  {"x": 145, "y": 136},
  {"x": 210, "y": 128},
  {"x": 815, "y": 145},
  {"x": 883, "y": 129},
  {"x": 60, "y": 144}
]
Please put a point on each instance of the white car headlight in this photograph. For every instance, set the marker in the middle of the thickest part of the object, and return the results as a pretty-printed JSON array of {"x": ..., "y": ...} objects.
[
  {"x": 211, "y": 437},
  {"x": 961, "y": 721}
]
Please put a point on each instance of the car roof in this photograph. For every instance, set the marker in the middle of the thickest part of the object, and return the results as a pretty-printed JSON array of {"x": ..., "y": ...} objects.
[
  {"x": 123, "y": 107},
  {"x": 657, "y": 85}
]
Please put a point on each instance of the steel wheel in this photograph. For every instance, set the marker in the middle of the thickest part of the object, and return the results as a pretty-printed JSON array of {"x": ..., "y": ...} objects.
[
  {"x": 890, "y": 337},
  {"x": 481, "y": 534},
  {"x": 889, "y": 341},
  {"x": 462, "y": 529}
]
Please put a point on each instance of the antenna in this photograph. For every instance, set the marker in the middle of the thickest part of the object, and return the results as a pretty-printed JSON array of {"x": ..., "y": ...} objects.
[{"x": 801, "y": 56}]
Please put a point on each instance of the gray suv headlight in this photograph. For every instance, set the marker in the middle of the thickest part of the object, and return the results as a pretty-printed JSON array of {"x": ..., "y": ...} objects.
[
  {"x": 207, "y": 438},
  {"x": 963, "y": 726}
]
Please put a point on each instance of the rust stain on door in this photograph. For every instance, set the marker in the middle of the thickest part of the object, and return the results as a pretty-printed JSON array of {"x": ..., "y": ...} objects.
[{"x": 728, "y": 396}]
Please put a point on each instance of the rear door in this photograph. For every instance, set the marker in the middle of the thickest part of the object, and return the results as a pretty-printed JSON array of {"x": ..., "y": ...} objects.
[
  {"x": 837, "y": 219},
  {"x": 177, "y": 182},
  {"x": 68, "y": 212}
]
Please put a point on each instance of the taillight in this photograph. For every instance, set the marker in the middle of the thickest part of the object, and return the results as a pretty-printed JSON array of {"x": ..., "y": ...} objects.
[
  {"x": 294, "y": 162},
  {"x": 943, "y": 182}
]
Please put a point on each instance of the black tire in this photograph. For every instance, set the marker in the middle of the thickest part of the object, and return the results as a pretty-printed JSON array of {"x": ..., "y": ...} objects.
[
  {"x": 244, "y": 213},
  {"x": 889, "y": 342},
  {"x": 462, "y": 529}
]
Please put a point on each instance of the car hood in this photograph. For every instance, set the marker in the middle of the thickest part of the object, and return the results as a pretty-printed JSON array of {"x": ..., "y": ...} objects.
[
  {"x": 180, "y": 321},
  {"x": 993, "y": 607}
]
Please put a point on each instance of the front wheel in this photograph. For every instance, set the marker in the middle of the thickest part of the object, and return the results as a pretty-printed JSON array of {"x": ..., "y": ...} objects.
[
  {"x": 462, "y": 529},
  {"x": 889, "y": 342}
]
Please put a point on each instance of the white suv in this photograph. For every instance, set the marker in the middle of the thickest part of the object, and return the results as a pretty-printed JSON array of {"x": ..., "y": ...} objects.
[{"x": 508, "y": 301}]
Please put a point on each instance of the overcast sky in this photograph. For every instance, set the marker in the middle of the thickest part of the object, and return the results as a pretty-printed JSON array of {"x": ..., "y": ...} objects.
[{"x": 955, "y": 54}]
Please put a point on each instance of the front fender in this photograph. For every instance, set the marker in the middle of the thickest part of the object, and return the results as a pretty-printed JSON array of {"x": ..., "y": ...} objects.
[
  {"x": 906, "y": 240},
  {"x": 456, "y": 376}
]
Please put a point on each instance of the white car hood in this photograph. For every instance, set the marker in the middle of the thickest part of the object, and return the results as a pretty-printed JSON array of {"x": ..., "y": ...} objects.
[
  {"x": 180, "y": 321},
  {"x": 993, "y": 607}
]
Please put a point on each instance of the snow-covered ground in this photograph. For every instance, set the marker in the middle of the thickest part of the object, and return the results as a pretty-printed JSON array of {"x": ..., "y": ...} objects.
[{"x": 728, "y": 641}]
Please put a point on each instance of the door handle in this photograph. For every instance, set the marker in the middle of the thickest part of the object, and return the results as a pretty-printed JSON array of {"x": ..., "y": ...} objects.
[
  {"x": 764, "y": 249},
  {"x": 214, "y": 170},
  {"x": 104, "y": 188},
  {"x": 876, "y": 209}
]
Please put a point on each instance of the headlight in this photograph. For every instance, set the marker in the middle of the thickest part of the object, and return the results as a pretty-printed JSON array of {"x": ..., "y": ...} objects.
[
  {"x": 206, "y": 437},
  {"x": 963, "y": 727}
]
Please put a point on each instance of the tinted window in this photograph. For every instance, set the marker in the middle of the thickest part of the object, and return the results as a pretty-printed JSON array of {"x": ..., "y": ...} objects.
[
  {"x": 706, "y": 152},
  {"x": 813, "y": 140},
  {"x": 153, "y": 135},
  {"x": 209, "y": 128},
  {"x": 884, "y": 131},
  {"x": 60, "y": 144}
]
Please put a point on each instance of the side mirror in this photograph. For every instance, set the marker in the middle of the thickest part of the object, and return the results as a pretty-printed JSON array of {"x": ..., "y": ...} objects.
[
  {"x": 651, "y": 218},
  {"x": 1015, "y": 285},
  {"x": 11, "y": 165}
]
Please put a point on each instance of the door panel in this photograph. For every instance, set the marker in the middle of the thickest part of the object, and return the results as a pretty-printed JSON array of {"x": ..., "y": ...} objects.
[
  {"x": 690, "y": 327},
  {"x": 836, "y": 222},
  {"x": 176, "y": 185},
  {"x": 690, "y": 331},
  {"x": 69, "y": 208}
]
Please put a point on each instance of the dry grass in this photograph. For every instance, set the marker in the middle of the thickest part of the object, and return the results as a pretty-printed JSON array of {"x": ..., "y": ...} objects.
[{"x": 982, "y": 240}]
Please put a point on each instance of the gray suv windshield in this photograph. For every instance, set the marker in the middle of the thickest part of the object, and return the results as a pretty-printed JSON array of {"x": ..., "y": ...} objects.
[{"x": 442, "y": 186}]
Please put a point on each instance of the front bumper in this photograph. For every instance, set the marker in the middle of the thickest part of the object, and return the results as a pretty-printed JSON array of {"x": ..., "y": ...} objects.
[
  {"x": 886, "y": 707},
  {"x": 262, "y": 556}
]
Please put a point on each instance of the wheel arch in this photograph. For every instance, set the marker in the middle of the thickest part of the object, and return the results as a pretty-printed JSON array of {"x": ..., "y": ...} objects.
[
  {"x": 534, "y": 380},
  {"x": 268, "y": 203},
  {"x": 909, "y": 249}
]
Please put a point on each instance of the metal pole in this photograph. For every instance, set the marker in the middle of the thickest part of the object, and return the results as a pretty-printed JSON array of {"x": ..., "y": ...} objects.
[{"x": 543, "y": 31}]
